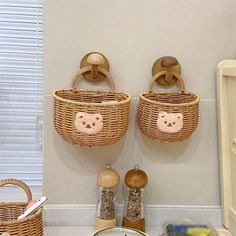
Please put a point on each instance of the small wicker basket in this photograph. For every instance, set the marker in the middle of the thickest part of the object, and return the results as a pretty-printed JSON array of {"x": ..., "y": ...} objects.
[
  {"x": 168, "y": 117},
  {"x": 9, "y": 211},
  {"x": 112, "y": 107}
]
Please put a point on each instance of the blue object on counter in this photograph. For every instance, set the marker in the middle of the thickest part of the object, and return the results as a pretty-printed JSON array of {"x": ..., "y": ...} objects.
[{"x": 182, "y": 229}]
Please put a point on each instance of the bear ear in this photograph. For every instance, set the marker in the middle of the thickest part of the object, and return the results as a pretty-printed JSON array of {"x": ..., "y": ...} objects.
[
  {"x": 98, "y": 116},
  {"x": 80, "y": 115},
  {"x": 162, "y": 114},
  {"x": 179, "y": 116}
]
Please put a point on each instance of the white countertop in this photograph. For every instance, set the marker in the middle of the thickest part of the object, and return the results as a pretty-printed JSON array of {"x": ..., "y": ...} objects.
[
  {"x": 88, "y": 230},
  {"x": 84, "y": 231}
]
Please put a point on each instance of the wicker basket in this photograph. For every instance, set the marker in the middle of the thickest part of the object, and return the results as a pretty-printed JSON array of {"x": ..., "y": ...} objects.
[
  {"x": 168, "y": 117},
  {"x": 113, "y": 107},
  {"x": 9, "y": 211}
]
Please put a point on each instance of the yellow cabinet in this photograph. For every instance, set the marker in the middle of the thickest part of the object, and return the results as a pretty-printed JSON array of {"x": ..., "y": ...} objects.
[{"x": 226, "y": 88}]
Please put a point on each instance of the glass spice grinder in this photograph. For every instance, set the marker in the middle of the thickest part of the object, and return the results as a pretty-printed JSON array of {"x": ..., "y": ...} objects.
[
  {"x": 107, "y": 181},
  {"x": 135, "y": 180}
]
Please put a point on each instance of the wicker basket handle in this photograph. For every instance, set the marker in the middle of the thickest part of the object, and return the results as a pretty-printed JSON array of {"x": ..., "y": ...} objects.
[
  {"x": 176, "y": 75},
  {"x": 94, "y": 60},
  {"x": 87, "y": 69},
  {"x": 18, "y": 183}
]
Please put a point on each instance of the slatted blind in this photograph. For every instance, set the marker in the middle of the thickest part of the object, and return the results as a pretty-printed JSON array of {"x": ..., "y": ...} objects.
[{"x": 21, "y": 90}]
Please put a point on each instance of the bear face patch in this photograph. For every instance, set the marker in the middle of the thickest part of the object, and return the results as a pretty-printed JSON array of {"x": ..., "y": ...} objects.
[
  {"x": 87, "y": 123},
  {"x": 169, "y": 122}
]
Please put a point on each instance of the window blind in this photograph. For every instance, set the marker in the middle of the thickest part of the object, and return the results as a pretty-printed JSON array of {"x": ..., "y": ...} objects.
[{"x": 21, "y": 90}]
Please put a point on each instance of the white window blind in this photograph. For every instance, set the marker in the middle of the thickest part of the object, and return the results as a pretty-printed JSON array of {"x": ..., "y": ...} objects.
[{"x": 21, "y": 90}]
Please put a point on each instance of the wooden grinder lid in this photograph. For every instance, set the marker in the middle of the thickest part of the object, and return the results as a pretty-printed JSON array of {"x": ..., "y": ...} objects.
[
  {"x": 108, "y": 178},
  {"x": 136, "y": 178}
]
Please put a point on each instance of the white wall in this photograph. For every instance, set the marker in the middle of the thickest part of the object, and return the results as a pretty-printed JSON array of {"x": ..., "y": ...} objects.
[{"x": 133, "y": 34}]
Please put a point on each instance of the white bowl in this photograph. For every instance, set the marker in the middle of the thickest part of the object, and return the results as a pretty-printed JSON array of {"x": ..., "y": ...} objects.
[{"x": 118, "y": 231}]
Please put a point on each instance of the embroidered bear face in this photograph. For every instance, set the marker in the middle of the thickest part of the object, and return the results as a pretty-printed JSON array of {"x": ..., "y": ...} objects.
[
  {"x": 169, "y": 122},
  {"x": 87, "y": 123}
]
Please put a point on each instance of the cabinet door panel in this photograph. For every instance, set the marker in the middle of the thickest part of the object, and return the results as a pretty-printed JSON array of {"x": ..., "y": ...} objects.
[
  {"x": 226, "y": 88},
  {"x": 231, "y": 103}
]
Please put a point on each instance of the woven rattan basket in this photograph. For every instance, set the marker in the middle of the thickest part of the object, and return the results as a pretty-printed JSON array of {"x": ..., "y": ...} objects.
[
  {"x": 168, "y": 117},
  {"x": 9, "y": 211},
  {"x": 110, "y": 106}
]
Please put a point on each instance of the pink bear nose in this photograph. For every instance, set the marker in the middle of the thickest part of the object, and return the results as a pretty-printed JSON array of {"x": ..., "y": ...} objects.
[{"x": 88, "y": 126}]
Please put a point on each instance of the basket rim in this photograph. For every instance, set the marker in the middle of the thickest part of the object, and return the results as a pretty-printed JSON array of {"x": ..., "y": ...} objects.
[
  {"x": 16, "y": 221},
  {"x": 112, "y": 103},
  {"x": 196, "y": 101}
]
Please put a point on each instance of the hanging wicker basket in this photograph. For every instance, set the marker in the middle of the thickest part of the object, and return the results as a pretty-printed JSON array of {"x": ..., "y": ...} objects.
[
  {"x": 89, "y": 118},
  {"x": 168, "y": 117},
  {"x": 9, "y": 211}
]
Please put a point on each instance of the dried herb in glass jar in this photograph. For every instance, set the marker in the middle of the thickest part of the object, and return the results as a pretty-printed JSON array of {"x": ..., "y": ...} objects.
[
  {"x": 107, "y": 181},
  {"x": 107, "y": 209},
  {"x": 135, "y": 181},
  {"x": 134, "y": 208}
]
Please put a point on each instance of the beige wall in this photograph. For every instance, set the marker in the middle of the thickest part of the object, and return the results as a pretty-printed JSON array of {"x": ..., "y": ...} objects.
[{"x": 132, "y": 34}]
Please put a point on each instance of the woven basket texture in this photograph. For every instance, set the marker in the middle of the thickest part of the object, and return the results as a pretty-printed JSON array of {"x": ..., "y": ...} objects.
[
  {"x": 152, "y": 103},
  {"x": 9, "y": 211},
  {"x": 113, "y": 106}
]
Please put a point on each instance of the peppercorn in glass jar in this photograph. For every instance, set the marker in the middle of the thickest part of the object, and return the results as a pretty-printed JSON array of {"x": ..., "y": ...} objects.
[
  {"x": 135, "y": 181},
  {"x": 107, "y": 181}
]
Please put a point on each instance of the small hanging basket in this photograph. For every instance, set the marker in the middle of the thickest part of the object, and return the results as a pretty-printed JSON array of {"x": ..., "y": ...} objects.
[
  {"x": 9, "y": 211},
  {"x": 168, "y": 117},
  {"x": 89, "y": 118}
]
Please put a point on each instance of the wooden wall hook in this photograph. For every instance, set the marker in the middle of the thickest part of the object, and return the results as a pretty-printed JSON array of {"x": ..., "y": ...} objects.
[
  {"x": 95, "y": 60},
  {"x": 170, "y": 65}
]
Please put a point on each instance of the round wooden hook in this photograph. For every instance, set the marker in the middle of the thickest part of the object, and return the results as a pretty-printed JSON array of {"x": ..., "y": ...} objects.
[
  {"x": 167, "y": 63},
  {"x": 99, "y": 76}
]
